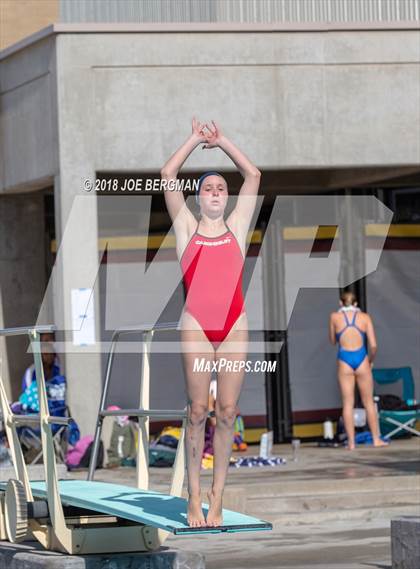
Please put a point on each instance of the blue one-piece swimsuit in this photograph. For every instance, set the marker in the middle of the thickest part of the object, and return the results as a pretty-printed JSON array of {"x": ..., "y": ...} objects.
[{"x": 352, "y": 357}]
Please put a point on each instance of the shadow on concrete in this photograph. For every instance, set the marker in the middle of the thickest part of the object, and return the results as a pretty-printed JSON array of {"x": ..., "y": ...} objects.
[
  {"x": 399, "y": 467},
  {"x": 8, "y": 550},
  {"x": 377, "y": 565}
]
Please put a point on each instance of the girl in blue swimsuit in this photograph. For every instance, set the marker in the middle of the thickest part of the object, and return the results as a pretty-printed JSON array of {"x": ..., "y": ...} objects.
[{"x": 353, "y": 331}]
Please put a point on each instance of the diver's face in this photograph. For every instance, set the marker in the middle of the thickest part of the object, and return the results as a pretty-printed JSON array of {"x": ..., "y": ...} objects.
[{"x": 213, "y": 196}]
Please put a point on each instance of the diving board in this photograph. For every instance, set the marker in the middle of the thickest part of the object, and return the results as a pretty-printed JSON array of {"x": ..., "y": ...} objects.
[
  {"x": 86, "y": 516},
  {"x": 143, "y": 506}
]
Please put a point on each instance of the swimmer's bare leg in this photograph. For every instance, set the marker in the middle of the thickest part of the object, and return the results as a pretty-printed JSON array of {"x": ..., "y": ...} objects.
[
  {"x": 365, "y": 384},
  {"x": 229, "y": 385},
  {"x": 197, "y": 387},
  {"x": 347, "y": 382}
]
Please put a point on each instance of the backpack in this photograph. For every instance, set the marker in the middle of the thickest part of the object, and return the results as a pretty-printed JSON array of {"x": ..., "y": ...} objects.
[
  {"x": 122, "y": 446},
  {"x": 85, "y": 460},
  {"x": 391, "y": 402},
  {"x": 79, "y": 455}
]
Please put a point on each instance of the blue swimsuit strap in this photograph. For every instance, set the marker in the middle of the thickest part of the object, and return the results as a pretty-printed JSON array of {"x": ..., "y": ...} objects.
[
  {"x": 351, "y": 324},
  {"x": 338, "y": 334},
  {"x": 354, "y": 325}
]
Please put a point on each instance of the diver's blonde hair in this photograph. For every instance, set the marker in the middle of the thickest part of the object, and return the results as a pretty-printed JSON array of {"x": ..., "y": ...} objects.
[{"x": 348, "y": 298}]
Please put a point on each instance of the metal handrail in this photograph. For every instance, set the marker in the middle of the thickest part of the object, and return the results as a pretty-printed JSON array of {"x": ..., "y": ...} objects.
[
  {"x": 33, "y": 418},
  {"x": 165, "y": 326},
  {"x": 163, "y": 413},
  {"x": 36, "y": 419},
  {"x": 43, "y": 418},
  {"x": 145, "y": 330},
  {"x": 22, "y": 330}
]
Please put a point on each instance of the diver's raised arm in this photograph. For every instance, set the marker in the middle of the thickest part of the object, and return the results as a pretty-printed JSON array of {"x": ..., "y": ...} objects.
[
  {"x": 174, "y": 200},
  {"x": 245, "y": 207},
  {"x": 215, "y": 137}
]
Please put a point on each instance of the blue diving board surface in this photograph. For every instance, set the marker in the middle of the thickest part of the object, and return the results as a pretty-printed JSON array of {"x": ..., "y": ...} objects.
[{"x": 144, "y": 506}]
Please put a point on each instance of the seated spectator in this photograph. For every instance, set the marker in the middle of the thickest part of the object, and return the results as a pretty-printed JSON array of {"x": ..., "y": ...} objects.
[
  {"x": 56, "y": 387},
  {"x": 29, "y": 375},
  {"x": 54, "y": 382}
]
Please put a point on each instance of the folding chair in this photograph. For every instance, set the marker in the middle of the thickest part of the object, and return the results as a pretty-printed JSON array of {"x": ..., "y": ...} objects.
[
  {"x": 30, "y": 440},
  {"x": 398, "y": 422}
]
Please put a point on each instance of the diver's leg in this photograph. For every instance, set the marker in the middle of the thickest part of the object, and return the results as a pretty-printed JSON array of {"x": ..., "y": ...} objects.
[
  {"x": 195, "y": 348},
  {"x": 232, "y": 353}
]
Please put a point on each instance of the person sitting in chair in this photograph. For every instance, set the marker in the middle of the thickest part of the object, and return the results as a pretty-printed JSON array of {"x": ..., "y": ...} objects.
[
  {"x": 56, "y": 388},
  {"x": 55, "y": 384},
  {"x": 46, "y": 338}
]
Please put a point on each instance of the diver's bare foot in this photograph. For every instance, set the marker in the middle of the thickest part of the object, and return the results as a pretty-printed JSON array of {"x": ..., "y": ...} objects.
[
  {"x": 350, "y": 446},
  {"x": 215, "y": 514},
  {"x": 195, "y": 514},
  {"x": 380, "y": 443}
]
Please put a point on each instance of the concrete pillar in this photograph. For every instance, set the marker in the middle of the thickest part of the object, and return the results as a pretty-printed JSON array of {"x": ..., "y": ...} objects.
[
  {"x": 279, "y": 411},
  {"x": 352, "y": 247},
  {"x": 75, "y": 268},
  {"x": 22, "y": 278},
  {"x": 77, "y": 258},
  {"x": 405, "y": 542}
]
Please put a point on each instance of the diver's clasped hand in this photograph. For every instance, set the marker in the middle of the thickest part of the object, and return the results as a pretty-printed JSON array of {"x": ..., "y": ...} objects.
[{"x": 210, "y": 135}]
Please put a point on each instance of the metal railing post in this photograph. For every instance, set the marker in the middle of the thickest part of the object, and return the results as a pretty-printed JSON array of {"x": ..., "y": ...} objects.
[
  {"x": 148, "y": 331},
  {"x": 144, "y": 404},
  {"x": 100, "y": 418}
]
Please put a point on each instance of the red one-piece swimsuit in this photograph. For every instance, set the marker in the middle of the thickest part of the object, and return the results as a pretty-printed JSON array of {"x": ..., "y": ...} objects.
[{"x": 212, "y": 269}]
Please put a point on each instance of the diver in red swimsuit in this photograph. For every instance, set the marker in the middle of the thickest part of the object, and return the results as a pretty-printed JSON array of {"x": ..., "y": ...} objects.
[
  {"x": 201, "y": 262},
  {"x": 213, "y": 323}
]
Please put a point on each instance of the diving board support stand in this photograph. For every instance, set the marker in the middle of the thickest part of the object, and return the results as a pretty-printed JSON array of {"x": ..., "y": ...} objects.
[
  {"x": 55, "y": 506},
  {"x": 143, "y": 413},
  {"x": 71, "y": 534},
  {"x": 143, "y": 438},
  {"x": 42, "y": 533}
]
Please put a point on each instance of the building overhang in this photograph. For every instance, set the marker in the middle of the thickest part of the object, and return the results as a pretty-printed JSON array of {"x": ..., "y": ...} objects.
[{"x": 156, "y": 28}]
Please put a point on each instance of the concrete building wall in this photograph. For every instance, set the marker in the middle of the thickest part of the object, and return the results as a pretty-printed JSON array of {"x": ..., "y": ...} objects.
[
  {"x": 22, "y": 278},
  {"x": 313, "y": 99},
  {"x": 28, "y": 120},
  {"x": 42, "y": 146},
  {"x": 21, "y": 18},
  {"x": 28, "y": 163}
]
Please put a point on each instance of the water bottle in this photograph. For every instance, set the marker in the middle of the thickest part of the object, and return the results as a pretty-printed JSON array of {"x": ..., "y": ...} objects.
[
  {"x": 359, "y": 417},
  {"x": 295, "y": 448},
  {"x": 120, "y": 452},
  {"x": 266, "y": 444},
  {"x": 328, "y": 430}
]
